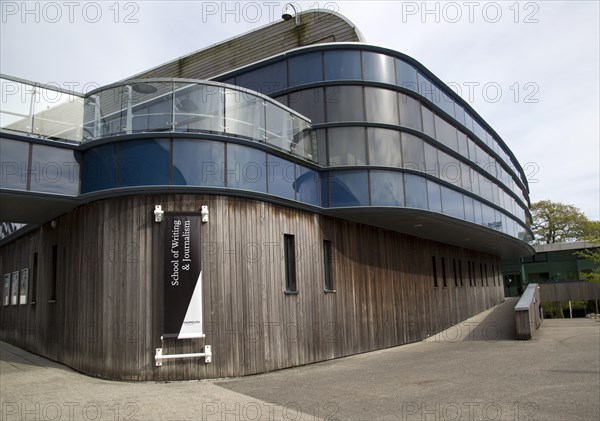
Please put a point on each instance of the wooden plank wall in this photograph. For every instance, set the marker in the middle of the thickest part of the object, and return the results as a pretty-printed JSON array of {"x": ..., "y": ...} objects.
[
  {"x": 571, "y": 290},
  {"x": 280, "y": 36},
  {"x": 106, "y": 320}
]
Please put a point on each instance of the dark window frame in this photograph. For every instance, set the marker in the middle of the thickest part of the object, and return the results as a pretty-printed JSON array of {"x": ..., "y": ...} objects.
[
  {"x": 434, "y": 268},
  {"x": 289, "y": 250},
  {"x": 328, "y": 266}
]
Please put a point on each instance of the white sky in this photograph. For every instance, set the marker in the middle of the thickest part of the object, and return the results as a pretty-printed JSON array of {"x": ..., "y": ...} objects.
[{"x": 539, "y": 61}]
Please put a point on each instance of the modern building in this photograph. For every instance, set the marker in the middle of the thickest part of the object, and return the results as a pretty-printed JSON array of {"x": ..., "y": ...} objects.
[
  {"x": 288, "y": 196},
  {"x": 557, "y": 268}
]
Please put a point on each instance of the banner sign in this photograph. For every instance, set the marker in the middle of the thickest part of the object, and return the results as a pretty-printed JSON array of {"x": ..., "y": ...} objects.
[{"x": 183, "y": 277}]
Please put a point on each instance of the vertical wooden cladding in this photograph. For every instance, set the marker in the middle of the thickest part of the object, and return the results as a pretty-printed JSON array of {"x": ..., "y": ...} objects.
[{"x": 106, "y": 319}]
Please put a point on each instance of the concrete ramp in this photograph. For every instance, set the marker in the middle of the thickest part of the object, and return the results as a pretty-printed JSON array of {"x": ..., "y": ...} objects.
[{"x": 494, "y": 324}]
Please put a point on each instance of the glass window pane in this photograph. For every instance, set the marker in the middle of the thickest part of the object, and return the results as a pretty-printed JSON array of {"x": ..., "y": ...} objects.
[
  {"x": 478, "y": 215},
  {"x": 144, "y": 163},
  {"x": 453, "y": 203},
  {"x": 387, "y": 188},
  {"x": 246, "y": 168},
  {"x": 99, "y": 168},
  {"x": 378, "y": 67},
  {"x": 381, "y": 106},
  {"x": 347, "y": 146},
  {"x": 266, "y": 80},
  {"x": 485, "y": 187},
  {"x": 321, "y": 135},
  {"x": 310, "y": 103},
  {"x": 406, "y": 76},
  {"x": 384, "y": 147},
  {"x": 152, "y": 107},
  {"x": 465, "y": 176},
  {"x": 459, "y": 111},
  {"x": 446, "y": 133},
  {"x": 415, "y": 188},
  {"x": 488, "y": 216},
  {"x": 469, "y": 211},
  {"x": 349, "y": 188},
  {"x": 198, "y": 163},
  {"x": 337, "y": 99},
  {"x": 434, "y": 196},
  {"x": 306, "y": 68},
  {"x": 14, "y": 158},
  {"x": 307, "y": 185},
  {"x": 432, "y": 165},
  {"x": 412, "y": 152},
  {"x": 54, "y": 170},
  {"x": 281, "y": 177},
  {"x": 450, "y": 170},
  {"x": 198, "y": 108},
  {"x": 463, "y": 147},
  {"x": 244, "y": 114},
  {"x": 428, "y": 122},
  {"x": 410, "y": 112},
  {"x": 283, "y": 99},
  {"x": 342, "y": 64},
  {"x": 279, "y": 127},
  {"x": 446, "y": 104}
]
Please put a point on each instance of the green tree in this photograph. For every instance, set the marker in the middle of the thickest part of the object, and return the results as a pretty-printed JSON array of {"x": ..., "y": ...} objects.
[
  {"x": 555, "y": 222},
  {"x": 593, "y": 254}
]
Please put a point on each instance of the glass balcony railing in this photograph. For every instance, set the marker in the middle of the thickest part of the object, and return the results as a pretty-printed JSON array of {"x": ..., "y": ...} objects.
[{"x": 154, "y": 105}]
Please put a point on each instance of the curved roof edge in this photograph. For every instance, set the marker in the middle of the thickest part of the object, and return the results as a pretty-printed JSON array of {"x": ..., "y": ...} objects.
[{"x": 287, "y": 33}]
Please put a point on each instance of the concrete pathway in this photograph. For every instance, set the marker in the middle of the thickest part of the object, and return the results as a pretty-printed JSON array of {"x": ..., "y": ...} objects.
[{"x": 479, "y": 374}]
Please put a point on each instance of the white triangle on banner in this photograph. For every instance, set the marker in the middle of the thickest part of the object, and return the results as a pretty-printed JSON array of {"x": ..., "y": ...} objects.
[{"x": 192, "y": 323}]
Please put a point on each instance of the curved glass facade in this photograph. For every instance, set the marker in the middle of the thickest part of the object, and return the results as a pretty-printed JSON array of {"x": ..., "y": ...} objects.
[
  {"x": 383, "y": 132},
  {"x": 403, "y": 118}
]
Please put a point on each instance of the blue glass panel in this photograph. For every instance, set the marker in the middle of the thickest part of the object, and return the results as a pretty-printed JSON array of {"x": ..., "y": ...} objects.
[
  {"x": 469, "y": 211},
  {"x": 434, "y": 196},
  {"x": 324, "y": 190},
  {"x": 307, "y": 186},
  {"x": 54, "y": 170},
  {"x": 406, "y": 76},
  {"x": 446, "y": 104},
  {"x": 99, "y": 168},
  {"x": 410, "y": 112},
  {"x": 415, "y": 191},
  {"x": 310, "y": 103},
  {"x": 144, "y": 163},
  {"x": 381, "y": 106},
  {"x": 266, "y": 80},
  {"x": 198, "y": 163},
  {"x": 14, "y": 158},
  {"x": 428, "y": 122},
  {"x": 412, "y": 152},
  {"x": 305, "y": 68},
  {"x": 337, "y": 100},
  {"x": 246, "y": 168},
  {"x": 342, "y": 65},
  {"x": 349, "y": 188},
  {"x": 347, "y": 146},
  {"x": 459, "y": 111},
  {"x": 281, "y": 177},
  {"x": 452, "y": 203},
  {"x": 446, "y": 133},
  {"x": 384, "y": 147},
  {"x": 378, "y": 67},
  {"x": 488, "y": 217},
  {"x": 387, "y": 188}
]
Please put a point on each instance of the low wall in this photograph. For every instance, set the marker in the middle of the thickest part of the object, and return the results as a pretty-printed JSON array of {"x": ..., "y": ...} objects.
[{"x": 527, "y": 312}]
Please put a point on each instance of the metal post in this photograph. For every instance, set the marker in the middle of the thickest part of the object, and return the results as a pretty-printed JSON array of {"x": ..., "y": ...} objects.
[{"x": 570, "y": 310}]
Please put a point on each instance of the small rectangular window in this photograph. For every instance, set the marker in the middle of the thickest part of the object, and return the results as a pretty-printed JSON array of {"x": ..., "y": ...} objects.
[
  {"x": 54, "y": 274},
  {"x": 460, "y": 272},
  {"x": 444, "y": 272},
  {"x": 327, "y": 265},
  {"x": 481, "y": 273},
  {"x": 455, "y": 272},
  {"x": 289, "y": 249},
  {"x": 34, "y": 273},
  {"x": 434, "y": 268},
  {"x": 485, "y": 272},
  {"x": 469, "y": 264}
]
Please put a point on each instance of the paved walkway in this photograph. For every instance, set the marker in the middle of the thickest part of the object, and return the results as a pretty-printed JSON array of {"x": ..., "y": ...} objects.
[{"x": 473, "y": 371}]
